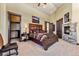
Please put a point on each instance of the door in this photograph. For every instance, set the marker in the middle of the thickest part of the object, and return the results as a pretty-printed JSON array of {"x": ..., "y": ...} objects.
[
  {"x": 14, "y": 26},
  {"x": 59, "y": 27}
]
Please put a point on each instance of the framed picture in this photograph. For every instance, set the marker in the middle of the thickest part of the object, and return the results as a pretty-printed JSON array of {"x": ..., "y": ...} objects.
[
  {"x": 66, "y": 17},
  {"x": 35, "y": 19}
]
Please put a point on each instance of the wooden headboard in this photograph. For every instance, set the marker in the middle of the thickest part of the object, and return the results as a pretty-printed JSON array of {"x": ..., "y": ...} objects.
[{"x": 35, "y": 27}]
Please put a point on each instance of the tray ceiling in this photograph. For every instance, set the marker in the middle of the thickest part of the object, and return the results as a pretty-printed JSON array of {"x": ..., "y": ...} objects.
[{"x": 48, "y": 9}]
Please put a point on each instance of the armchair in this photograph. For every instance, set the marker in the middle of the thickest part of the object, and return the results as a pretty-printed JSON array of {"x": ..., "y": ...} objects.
[{"x": 8, "y": 48}]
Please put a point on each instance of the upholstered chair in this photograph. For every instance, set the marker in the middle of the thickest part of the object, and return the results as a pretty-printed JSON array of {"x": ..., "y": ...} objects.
[{"x": 7, "y": 48}]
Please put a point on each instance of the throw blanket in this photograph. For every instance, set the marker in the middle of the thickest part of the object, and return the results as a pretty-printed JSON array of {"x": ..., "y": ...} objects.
[{"x": 41, "y": 36}]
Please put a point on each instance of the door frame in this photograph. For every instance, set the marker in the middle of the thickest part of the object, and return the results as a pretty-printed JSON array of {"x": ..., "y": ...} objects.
[
  {"x": 9, "y": 25},
  {"x": 61, "y": 19}
]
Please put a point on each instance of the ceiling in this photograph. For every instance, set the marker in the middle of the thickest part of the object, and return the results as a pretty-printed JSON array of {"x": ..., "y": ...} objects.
[{"x": 48, "y": 9}]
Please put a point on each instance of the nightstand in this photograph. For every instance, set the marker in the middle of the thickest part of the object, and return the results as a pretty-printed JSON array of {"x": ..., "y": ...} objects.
[{"x": 24, "y": 37}]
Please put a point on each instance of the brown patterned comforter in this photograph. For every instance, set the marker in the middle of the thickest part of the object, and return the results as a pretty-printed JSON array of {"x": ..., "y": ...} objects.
[{"x": 46, "y": 39}]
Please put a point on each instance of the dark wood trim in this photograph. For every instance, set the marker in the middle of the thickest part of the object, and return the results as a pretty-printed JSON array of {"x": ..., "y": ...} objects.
[
  {"x": 9, "y": 26},
  {"x": 45, "y": 26},
  {"x": 15, "y": 22},
  {"x": 13, "y": 13},
  {"x": 59, "y": 19}
]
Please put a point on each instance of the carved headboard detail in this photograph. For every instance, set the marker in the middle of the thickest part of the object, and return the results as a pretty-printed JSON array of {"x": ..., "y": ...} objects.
[{"x": 35, "y": 28}]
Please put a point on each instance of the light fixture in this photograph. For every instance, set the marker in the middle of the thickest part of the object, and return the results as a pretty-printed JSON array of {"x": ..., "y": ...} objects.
[{"x": 42, "y": 5}]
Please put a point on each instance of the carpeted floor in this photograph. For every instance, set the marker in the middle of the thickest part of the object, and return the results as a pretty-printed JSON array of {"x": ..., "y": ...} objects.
[{"x": 61, "y": 48}]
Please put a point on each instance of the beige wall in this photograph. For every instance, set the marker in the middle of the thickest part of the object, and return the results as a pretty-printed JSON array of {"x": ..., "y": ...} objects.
[
  {"x": 59, "y": 13},
  {"x": 63, "y": 10},
  {"x": 26, "y": 13},
  {"x": 4, "y": 23},
  {"x": 75, "y": 17}
]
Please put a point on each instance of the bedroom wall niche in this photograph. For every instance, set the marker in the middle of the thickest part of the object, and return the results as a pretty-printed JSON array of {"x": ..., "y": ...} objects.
[{"x": 49, "y": 27}]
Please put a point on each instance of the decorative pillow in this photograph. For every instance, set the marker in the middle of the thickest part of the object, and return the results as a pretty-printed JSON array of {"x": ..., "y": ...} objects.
[{"x": 39, "y": 35}]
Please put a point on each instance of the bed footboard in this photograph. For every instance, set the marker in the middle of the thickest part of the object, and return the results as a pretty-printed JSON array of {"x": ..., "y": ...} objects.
[{"x": 49, "y": 41}]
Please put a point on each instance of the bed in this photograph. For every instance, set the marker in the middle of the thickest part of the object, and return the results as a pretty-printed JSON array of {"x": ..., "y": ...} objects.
[
  {"x": 44, "y": 39},
  {"x": 40, "y": 37}
]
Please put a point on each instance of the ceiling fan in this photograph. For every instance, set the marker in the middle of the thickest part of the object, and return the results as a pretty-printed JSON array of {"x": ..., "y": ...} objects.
[
  {"x": 39, "y": 4},
  {"x": 42, "y": 4}
]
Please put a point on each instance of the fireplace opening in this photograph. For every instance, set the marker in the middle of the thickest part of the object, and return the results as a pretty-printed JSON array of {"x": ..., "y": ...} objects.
[{"x": 67, "y": 30}]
